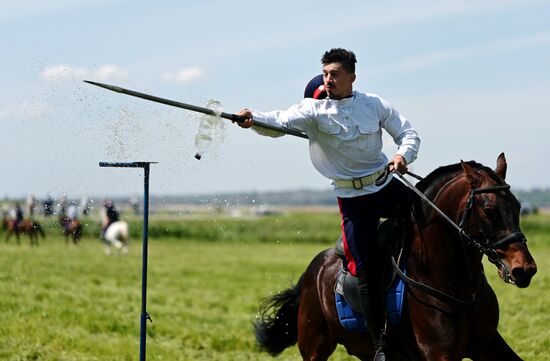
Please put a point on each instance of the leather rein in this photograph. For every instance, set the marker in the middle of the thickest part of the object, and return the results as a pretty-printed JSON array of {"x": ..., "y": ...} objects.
[{"x": 489, "y": 249}]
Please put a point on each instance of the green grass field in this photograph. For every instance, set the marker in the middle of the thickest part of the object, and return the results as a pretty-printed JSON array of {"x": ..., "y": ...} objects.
[{"x": 64, "y": 302}]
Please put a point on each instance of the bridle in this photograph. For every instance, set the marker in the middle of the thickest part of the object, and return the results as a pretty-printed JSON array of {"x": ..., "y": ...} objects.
[
  {"x": 487, "y": 248},
  {"x": 490, "y": 249}
]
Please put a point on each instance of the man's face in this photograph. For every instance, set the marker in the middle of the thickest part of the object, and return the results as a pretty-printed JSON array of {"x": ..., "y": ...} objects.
[{"x": 338, "y": 82}]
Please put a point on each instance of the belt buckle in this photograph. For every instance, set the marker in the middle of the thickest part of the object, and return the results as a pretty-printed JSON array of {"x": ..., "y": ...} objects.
[{"x": 356, "y": 181}]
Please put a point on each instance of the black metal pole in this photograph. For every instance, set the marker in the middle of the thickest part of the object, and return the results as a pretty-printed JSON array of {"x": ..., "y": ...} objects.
[{"x": 144, "y": 315}]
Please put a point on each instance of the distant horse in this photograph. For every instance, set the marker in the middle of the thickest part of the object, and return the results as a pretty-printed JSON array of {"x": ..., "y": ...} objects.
[
  {"x": 26, "y": 226},
  {"x": 451, "y": 312},
  {"x": 71, "y": 228},
  {"x": 117, "y": 236}
]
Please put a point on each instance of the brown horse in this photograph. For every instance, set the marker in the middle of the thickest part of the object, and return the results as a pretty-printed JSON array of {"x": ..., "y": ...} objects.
[
  {"x": 72, "y": 228},
  {"x": 26, "y": 226},
  {"x": 451, "y": 312}
]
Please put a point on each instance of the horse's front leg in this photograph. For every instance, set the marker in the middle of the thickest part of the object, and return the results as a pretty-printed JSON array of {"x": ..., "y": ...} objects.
[
  {"x": 496, "y": 349},
  {"x": 438, "y": 338}
]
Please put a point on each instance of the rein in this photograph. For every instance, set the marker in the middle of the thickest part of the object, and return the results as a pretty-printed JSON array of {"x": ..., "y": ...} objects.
[
  {"x": 445, "y": 297},
  {"x": 490, "y": 250}
]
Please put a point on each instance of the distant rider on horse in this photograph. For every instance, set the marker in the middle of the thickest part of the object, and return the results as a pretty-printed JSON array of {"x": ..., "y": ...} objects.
[
  {"x": 18, "y": 215},
  {"x": 111, "y": 216}
]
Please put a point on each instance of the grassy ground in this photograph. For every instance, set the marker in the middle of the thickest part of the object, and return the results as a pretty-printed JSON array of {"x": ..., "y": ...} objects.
[{"x": 74, "y": 303}]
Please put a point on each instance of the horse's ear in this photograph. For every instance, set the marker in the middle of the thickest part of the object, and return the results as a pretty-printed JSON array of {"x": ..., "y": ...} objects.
[
  {"x": 471, "y": 173},
  {"x": 501, "y": 166}
]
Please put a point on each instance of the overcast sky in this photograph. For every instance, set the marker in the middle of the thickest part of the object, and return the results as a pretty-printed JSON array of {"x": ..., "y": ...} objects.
[{"x": 473, "y": 77}]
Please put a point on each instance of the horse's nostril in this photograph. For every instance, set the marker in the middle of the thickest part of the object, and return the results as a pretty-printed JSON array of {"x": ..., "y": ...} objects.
[
  {"x": 522, "y": 275},
  {"x": 531, "y": 271}
]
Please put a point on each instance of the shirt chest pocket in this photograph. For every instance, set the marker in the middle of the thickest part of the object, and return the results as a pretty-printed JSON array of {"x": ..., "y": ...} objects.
[
  {"x": 369, "y": 142},
  {"x": 368, "y": 128},
  {"x": 329, "y": 126}
]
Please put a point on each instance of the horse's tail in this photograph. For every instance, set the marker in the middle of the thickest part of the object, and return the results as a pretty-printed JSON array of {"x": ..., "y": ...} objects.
[{"x": 277, "y": 325}]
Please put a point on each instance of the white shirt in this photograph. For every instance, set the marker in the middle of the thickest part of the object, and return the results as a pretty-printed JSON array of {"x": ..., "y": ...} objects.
[
  {"x": 345, "y": 136},
  {"x": 72, "y": 212}
]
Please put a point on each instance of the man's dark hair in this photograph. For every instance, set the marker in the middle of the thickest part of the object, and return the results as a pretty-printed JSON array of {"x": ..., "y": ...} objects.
[{"x": 342, "y": 56}]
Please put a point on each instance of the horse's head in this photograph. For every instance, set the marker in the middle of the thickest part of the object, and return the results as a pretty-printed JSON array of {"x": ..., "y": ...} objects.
[{"x": 490, "y": 221}]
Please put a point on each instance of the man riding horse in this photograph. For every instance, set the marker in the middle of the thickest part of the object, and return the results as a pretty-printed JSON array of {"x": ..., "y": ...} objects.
[
  {"x": 18, "y": 215},
  {"x": 345, "y": 142},
  {"x": 111, "y": 216},
  {"x": 17, "y": 224},
  {"x": 70, "y": 223}
]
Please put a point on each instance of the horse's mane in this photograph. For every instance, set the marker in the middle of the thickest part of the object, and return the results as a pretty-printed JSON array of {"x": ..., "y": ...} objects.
[
  {"x": 434, "y": 181},
  {"x": 437, "y": 178}
]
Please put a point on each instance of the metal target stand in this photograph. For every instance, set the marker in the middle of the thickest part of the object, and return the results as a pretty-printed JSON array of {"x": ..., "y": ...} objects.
[{"x": 144, "y": 315}]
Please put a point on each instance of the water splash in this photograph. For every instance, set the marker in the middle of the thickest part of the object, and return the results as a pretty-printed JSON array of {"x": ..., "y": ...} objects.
[
  {"x": 211, "y": 130},
  {"x": 123, "y": 129}
]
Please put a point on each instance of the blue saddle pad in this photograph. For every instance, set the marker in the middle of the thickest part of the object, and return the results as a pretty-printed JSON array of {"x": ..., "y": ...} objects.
[
  {"x": 394, "y": 301},
  {"x": 349, "y": 318},
  {"x": 353, "y": 320}
]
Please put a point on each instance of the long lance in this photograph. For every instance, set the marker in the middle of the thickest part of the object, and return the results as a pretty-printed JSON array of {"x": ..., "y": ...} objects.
[{"x": 233, "y": 117}]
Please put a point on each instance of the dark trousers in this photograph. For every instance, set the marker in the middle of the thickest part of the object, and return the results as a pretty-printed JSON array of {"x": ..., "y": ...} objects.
[{"x": 360, "y": 218}]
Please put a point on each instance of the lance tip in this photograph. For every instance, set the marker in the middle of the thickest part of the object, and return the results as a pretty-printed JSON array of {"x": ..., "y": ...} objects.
[{"x": 106, "y": 86}]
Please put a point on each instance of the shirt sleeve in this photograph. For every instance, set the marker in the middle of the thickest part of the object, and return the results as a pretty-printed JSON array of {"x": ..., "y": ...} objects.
[
  {"x": 404, "y": 135},
  {"x": 297, "y": 117}
]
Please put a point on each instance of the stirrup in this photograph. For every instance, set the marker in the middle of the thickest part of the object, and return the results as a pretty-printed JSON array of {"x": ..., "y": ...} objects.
[{"x": 379, "y": 354}]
